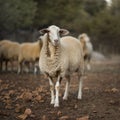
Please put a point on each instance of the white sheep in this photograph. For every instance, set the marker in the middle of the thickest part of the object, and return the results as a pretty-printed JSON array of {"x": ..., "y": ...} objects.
[
  {"x": 9, "y": 51},
  {"x": 59, "y": 58},
  {"x": 29, "y": 52},
  {"x": 87, "y": 48}
]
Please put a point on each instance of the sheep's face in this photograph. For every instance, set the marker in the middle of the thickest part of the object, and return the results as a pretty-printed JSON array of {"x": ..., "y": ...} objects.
[{"x": 54, "y": 34}]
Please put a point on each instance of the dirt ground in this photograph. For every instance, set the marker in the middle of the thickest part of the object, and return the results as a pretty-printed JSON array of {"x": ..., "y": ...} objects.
[{"x": 27, "y": 96}]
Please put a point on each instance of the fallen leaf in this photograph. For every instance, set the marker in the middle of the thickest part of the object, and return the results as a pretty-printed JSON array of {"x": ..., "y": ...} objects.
[
  {"x": 8, "y": 106},
  {"x": 38, "y": 98},
  {"x": 114, "y": 102},
  {"x": 18, "y": 108},
  {"x": 64, "y": 118},
  {"x": 35, "y": 93},
  {"x": 94, "y": 111},
  {"x": 5, "y": 86},
  {"x": 114, "y": 90},
  {"x": 107, "y": 90},
  {"x": 59, "y": 113},
  {"x": 44, "y": 117},
  {"x": 1, "y": 81},
  {"x": 7, "y": 96},
  {"x": 11, "y": 92},
  {"x": 39, "y": 89},
  {"x": 83, "y": 118},
  {"x": 28, "y": 111},
  {"x": 26, "y": 96},
  {"x": 22, "y": 117},
  {"x": 26, "y": 114},
  {"x": 3, "y": 113},
  {"x": 86, "y": 88}
]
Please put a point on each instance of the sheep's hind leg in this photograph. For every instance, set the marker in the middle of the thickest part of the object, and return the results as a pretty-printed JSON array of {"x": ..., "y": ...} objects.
[
  {"x": 6, "y": 65},
  {"x": 80, "y": 87},
  {"x": 88, "y": 66},
  {"x": 52, "y": 91},
  {"x": 65, "y": 97},
  {"x": 1, "y": 65},
  {"x": 88, "y": 63}
]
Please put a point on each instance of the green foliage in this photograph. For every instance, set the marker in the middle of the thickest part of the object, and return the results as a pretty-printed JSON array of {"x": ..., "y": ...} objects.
[
  {"x": 65, "y": 12},
  {"x": 94, "y": 6},
  {"x": 93, "y": 17},
  {"x": 16, "y": 14}
]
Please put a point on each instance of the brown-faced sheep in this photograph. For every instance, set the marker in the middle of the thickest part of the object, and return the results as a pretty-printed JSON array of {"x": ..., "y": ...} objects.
[
  {"x": 87, "y": 48},
  {"x": 59, "y": 58}
]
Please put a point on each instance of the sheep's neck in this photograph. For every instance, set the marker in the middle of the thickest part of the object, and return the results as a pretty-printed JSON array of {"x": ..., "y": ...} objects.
[
  {"x": 52, "y": 60},
  {"x": 51, "y": 51}
]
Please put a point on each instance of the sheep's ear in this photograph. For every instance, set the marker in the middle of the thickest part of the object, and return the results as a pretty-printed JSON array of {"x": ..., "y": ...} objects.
[
  {"x": 43, "y": 31},
  {"x": 64, "y": 32}
]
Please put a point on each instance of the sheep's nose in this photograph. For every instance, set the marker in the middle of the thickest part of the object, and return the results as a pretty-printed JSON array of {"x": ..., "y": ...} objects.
[{"x": 56, "y": 40}]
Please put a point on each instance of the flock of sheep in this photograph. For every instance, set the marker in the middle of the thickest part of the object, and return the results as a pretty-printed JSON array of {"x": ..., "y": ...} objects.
[
  {"x": 56, "y": 56},
  {"x": 24, "y": 54}
]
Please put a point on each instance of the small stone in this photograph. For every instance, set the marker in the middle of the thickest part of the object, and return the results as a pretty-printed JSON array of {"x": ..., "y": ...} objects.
[{"x": 83, "y": 118}]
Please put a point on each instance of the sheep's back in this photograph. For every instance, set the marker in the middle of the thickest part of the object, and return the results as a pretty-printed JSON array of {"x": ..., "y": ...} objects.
[
  {"x": 29, "y": 51},
  {"x": 72, "y": 52},
  {"x": 10, "y": 49},
  {"x": 13, "y": 50}
]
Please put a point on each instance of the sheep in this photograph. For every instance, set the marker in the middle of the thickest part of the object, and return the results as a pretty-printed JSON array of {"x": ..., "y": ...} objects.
[
  {"x": 60, "y": 57},
  {"x": 87, "y": 48},
  {"x": 9, "y": 51},
  {"x": 29, "y": 52}
]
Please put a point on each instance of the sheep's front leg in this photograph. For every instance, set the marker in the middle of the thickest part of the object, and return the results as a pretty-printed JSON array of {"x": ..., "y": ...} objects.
[
  {"x": 19, "y": 67},
  {"x": 57, "y": 88},
  {"x": 52, "y": 91}
]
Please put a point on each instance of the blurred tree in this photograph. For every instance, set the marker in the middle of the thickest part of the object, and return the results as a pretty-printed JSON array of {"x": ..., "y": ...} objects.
[
  {"x": 16, "y": 14},
  {"x": 115, "y": 8},
  {"x": 68, "y": 13},
  {"x": 94, "y": 6},
  {"x": 105, "y": 32},
  {"x": 90, "y": 16}
]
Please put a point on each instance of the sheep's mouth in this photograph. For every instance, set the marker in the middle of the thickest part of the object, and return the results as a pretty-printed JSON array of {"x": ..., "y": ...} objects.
[{"x": 55, "y": 43}]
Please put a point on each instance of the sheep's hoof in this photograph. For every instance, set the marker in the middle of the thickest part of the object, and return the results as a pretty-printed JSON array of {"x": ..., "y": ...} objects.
[
  {"x": 79, "y": 97},
  {"x": 64, "y": 98},
  {"x": 56, "y": 105}
]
